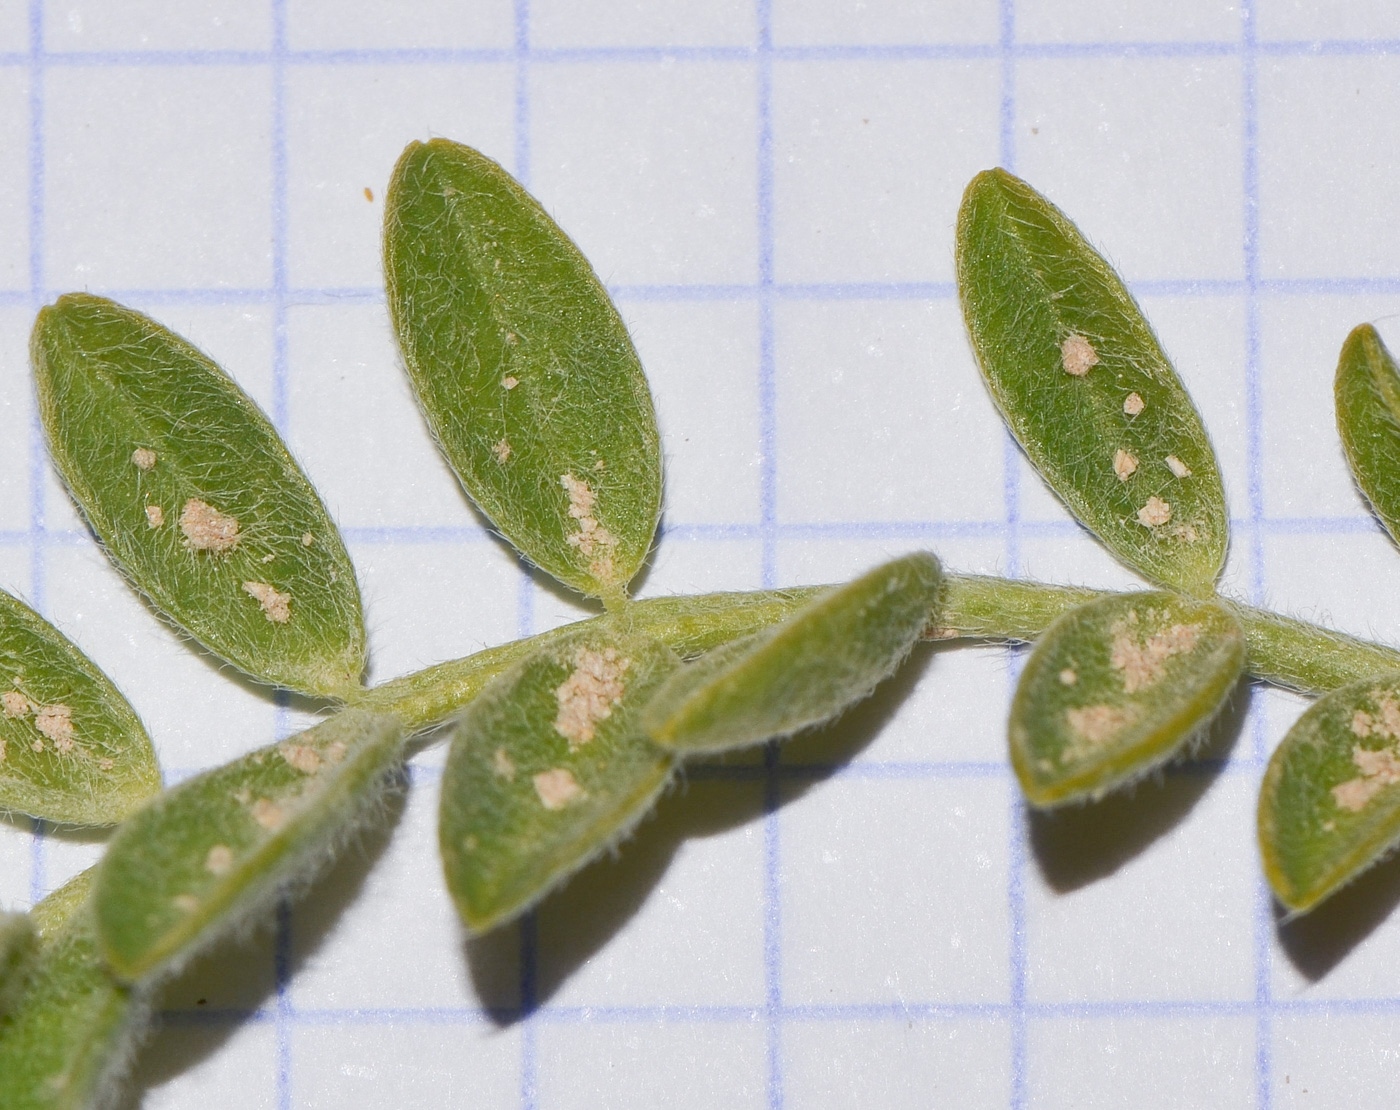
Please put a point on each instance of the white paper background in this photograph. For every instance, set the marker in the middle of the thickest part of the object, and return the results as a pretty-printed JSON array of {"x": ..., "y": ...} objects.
[{"x": 770, "y": 187}]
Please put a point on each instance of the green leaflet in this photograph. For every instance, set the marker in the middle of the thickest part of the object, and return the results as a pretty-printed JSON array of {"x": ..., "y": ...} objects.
[
  {"x": 548, "y": 767},
  {"x": 71, "y": 748},
  {"x": 1368, "y": 420},
  {"x": 17, "y": 946},
  {"x": 195, "y": 496},
  {"x": 1084, "y": 385},
  {"x": 522, "y": 366},
  {"x": 70, "y": 1032},
  {"x": 1116, "y": 686},
  {"x": 1328, "y": 805},
  {"x": 830, "y": 653},
  {"x": 207, "y": 855}
]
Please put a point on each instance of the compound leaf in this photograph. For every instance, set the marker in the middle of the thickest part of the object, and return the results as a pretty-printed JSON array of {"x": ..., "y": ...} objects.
[
  {"x": 1116, "y": 686},
  {"x": 827, "y": 655},
  {"x": 208, "y": 854},
  {"x": 71, "y": 1029},
  {"x": 522, "y": 366},
  {"x": 71, "y": 747},
  {"x": 1368, "y": 419},
  {"x": 1085, "y": 387},
  {"x": 195, "y": 496},
  {"x": 1329, "y": 805},
  {"x": 548, "y": 767}
]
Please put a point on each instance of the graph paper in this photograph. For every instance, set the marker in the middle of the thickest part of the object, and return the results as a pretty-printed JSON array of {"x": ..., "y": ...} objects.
[{"x": 868, "y": 916}]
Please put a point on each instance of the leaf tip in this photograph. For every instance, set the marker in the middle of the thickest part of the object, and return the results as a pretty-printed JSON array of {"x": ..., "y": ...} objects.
[
  {"x": 989, "y": 179},
  {"x": 1363, "y": 331}
]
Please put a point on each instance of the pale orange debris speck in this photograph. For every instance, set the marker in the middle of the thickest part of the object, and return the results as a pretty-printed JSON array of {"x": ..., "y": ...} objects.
[
  {"x": 207, "y": 529},
  {"x": 557, "y": 787},
  {"x": 1156, "y": 512},
  {"x": 1077, "y": 356},
  {"x": 276, "y": 605}
]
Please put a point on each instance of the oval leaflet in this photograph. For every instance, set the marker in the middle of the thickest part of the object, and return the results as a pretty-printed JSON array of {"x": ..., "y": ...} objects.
[
  {"x": 1328, "y": 805},
  {"x": 827, "y": 655},
  {"x": 522, "y": 366},
  {"x": 71, "y": 747},
  {"x": 1116, "y": 686},
  {"x": 1085, "y": 387},
  {"x": 195, "y": 497},
  {"x": 206, "y": 855},
  {"x": 1367, "y": 389},
  {"x": 548, "y": 767}
]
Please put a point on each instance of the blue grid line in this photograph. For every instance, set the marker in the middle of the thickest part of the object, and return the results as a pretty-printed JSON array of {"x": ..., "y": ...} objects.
[
  {"x": 1018, "y": 832},
  {"x": 528, "y": 929},
  {"x": 38, "y": 870},
  {"x": 151, "y": 59},
  {"x": 900, "y": 1011},
  {"x": 1128, "y": 50},
  {"x": 1328, "y": 47},
  {"x": 866, "y": 291},
  {"x": 283, "y": 1016},
  {"x": 1250, "y": 247},
  {"x": 681, "y": 531},
  {"x": 531, "y": 1012},
  {"x": 1319, "y": 525},
  {"x": 285, "y": 936},
  {"x": 522, "y": 58},
  {"x": 731, "y": 1014},
  {"x": 768, "y": 513},
  {"x": 767, "y": 369},
  {"x": 886, "y": 52},
  {"x": 280, "y": 361},
  {"x": 1322, "y": 286},
  {"x": 786, "y": 291},
  {"x": 893, "y": 52},
  {"x": 1107, "y": 1009},
  {"x": 525, "y": 588},
  {"x": 1254, "y": 437}
]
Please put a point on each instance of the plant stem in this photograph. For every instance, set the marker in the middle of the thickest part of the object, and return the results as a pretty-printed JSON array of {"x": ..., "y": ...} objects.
[
  {"x": 1307, "y": 657},
  {"x": 690, "y": 626},
  {"x": 986, "y": 608},
  {"x": 1282, "y": 651}
]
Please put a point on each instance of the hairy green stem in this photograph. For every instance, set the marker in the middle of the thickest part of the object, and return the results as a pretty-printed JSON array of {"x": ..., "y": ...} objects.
[
  {"x": 983, "y": 607},
  {"x": 1306, "y": 657},
  {"x": 1282, "y": 650},
  {"x": 690, "y": 626}
]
